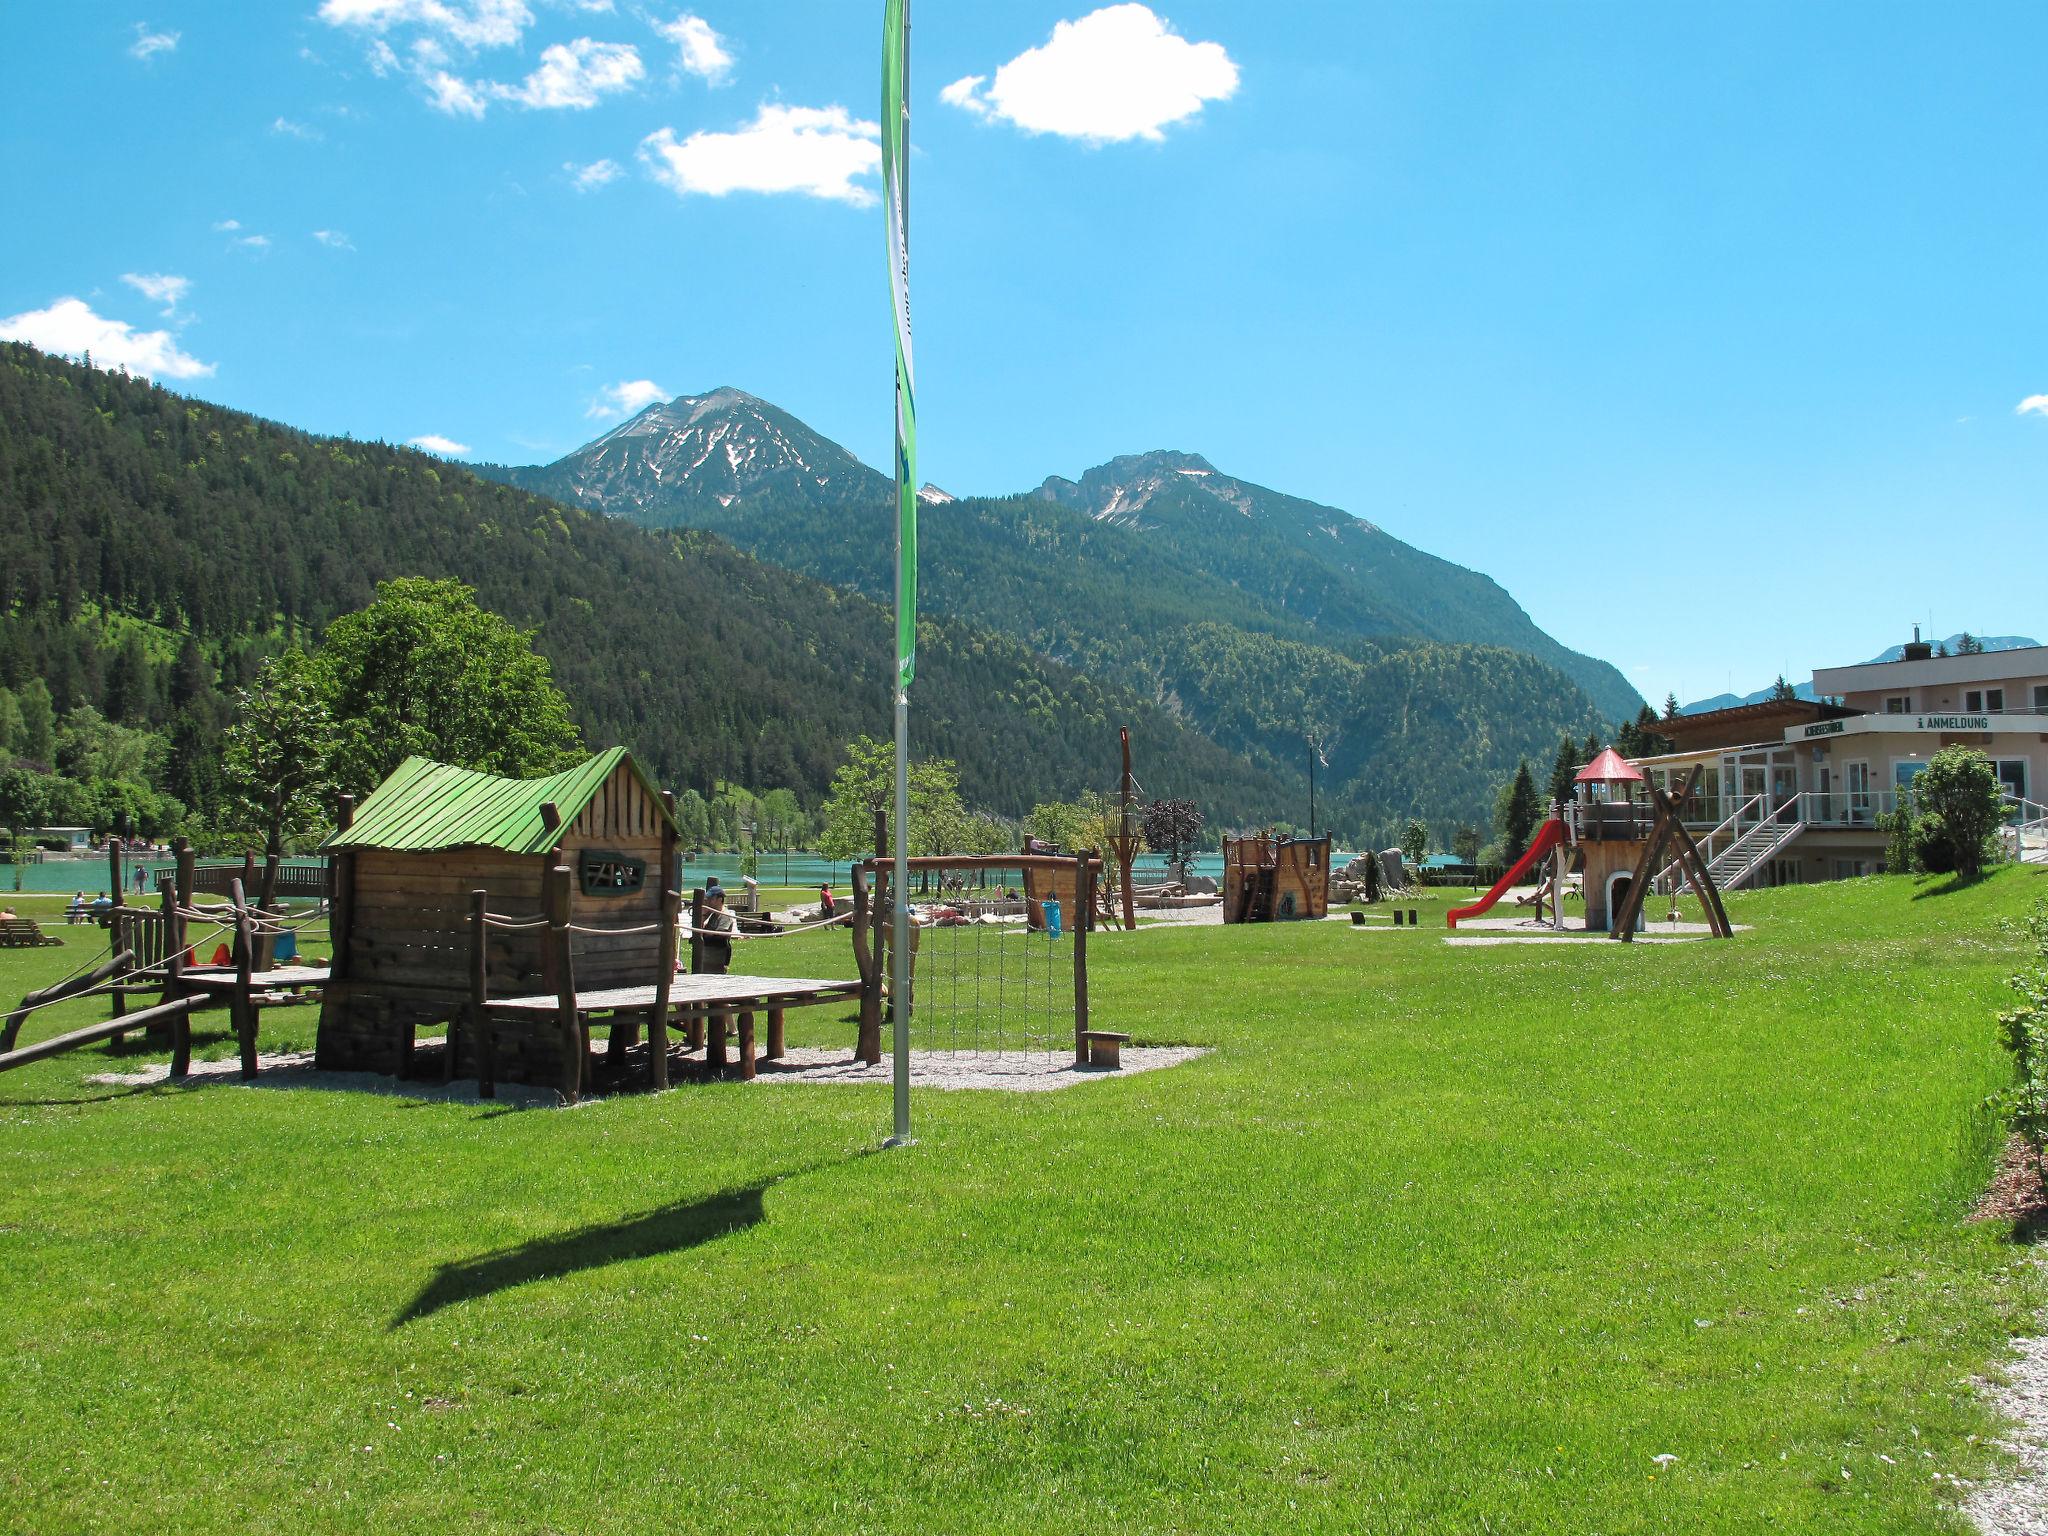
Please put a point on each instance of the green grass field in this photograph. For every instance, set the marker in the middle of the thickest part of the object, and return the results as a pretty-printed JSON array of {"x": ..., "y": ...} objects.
[{"x": 1436, "y": 1240}]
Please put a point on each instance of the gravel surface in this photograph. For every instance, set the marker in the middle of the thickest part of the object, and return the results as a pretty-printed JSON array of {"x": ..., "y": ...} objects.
[
  {"x": 1011, "y": 1071},
  {"x": 2020, "y": 1507}
]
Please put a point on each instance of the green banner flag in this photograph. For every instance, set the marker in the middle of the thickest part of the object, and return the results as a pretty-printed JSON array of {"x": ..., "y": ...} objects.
[{"x": 896, "y": 195}]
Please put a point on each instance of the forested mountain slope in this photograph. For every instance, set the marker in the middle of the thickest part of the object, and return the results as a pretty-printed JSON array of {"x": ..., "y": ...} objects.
[
  {"x": 1203, "y": 544},
  {"x": 153, "y": 549}
]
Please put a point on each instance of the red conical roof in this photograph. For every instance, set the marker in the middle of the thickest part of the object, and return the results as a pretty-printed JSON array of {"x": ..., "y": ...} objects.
[{"x": 1610, "y": 767}]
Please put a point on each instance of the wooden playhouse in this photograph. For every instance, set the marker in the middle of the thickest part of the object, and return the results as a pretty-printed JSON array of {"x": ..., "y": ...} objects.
[
  {"x": 1275, "y": 879},
  {"x": 406, "y": 863}
]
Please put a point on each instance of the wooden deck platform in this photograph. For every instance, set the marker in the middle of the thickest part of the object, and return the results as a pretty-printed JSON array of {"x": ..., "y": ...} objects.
[
  {"x": 280, "y": 978},
  {"x": 705, "y": 1003},
  {"x": 693, "y": 993}
]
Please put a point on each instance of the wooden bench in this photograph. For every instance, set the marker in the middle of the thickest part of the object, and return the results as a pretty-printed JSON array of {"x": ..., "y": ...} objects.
[
  {"x": 1105, "y": 1048},
  {"x": 24, "y": 933}
]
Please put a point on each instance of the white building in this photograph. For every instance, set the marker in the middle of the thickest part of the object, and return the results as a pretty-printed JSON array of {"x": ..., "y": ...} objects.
[{"x": 1799, "y": 798}]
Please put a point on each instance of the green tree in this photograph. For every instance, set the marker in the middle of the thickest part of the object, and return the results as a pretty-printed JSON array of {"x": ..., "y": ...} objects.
[
  {"x": 1670, "y": 706},
  {"x": 424, "y": 670},
  {"x": 1465, "y": 844},
  {"x": 866, "y": 783},
  {"x": 1520, "y": 810},
  {"x": 1562, "y": 768},
  {"x": 782, "y": 818},
  {"x": 1783, "y": 692},
  {"x": 1415, "y": 839},
  {"x": 38, "y": 723},
  {"x": 1968, "y": 644},
  {"x": 277, "y": 761},
  {"x": 12, "y": 725},
  {"x": 1958, "y": 806},
  {"x": 25, "y": 803}
]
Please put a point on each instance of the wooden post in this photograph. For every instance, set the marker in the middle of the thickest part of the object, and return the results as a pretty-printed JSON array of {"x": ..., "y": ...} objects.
[
  {"x": 1126, "y": 844},
  {"x": 174, "y": 988},
  {"x": 116, "y": 930},
  {"x": 479, "y": 995},
  {"x": 693, "y": 1031},
  {"x": 746, "y": 1044},
  {"x": 664, "y": 979},
  {"x": 1084, "y": 898},
  {"x": 868, "y": 1043},
  {"x": 242, "y": 1001},
  {"x": 341, "y": 886},
  {"x": 569, "y": 1023}
]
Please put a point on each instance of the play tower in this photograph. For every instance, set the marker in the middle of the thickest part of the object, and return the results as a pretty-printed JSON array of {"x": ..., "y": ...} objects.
[{"x": 1621, "y": 828}]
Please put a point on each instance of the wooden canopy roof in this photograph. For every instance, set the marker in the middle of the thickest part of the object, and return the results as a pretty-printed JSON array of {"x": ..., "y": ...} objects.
[{"x": 427, "y": 807}]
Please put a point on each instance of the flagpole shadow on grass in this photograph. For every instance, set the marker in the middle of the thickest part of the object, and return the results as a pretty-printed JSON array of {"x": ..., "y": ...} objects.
[{"x": 666, "y": 1229}]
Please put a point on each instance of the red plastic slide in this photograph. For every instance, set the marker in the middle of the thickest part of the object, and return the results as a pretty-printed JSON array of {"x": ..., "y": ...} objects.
[{"x": 1547, "y": 837}]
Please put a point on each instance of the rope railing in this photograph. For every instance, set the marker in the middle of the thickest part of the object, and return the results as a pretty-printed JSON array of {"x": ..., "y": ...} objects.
[
  {"x": 491, "y": 921},
  {"x": 123, "y": 979}
]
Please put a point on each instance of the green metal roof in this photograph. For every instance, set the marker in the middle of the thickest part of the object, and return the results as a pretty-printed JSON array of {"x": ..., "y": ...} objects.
[{"x": 425, "y": 806}]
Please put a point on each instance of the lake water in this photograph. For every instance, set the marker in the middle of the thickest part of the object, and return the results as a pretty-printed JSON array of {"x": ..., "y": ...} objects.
[{"x": 799, "y": 869}]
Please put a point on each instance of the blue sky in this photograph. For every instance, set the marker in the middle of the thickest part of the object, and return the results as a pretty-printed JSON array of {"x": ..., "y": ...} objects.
[{"x": 1717, "y": 334}]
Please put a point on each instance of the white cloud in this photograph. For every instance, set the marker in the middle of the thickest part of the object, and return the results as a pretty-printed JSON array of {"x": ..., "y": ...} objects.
[
  {"x": 1118, "y": 73},
  {"x": 2033, "y": 405},
  {"x": 627, "y": 399},
  {"x": 817, "y": 151},
  {"x": 334, "y": 239},
  {"x": 148, "y": 44},
  {"x": 571, "y": 75},
  {"x": 159, "y": 288},
  {"x": 226, "y": 225},
  {"x": 434, "y": 442},
  {"x": 253, "y": 242},
  {"x": 470, "y": 23},
  {"x": 599, "y": 173},
  {"x": 453, "y": 95},
  {"x": 292, "y": 130},
  {"x": 575, "y": 74},
  {"x": 702, "y": 52},
  {"x": 71, "y": 327}
]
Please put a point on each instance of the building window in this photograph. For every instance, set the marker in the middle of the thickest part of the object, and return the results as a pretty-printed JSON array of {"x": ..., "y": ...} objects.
[
  {"x": 1973, "y": 701},
  {"x": 2012, "y": 775},
  {"x": 1994, "y": 700},
  {"x": 2041, "y": 696},
  {"x": 1899, "y": 704}
]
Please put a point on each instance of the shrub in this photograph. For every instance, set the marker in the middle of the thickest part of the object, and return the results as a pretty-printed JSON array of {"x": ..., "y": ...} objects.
[
  {"x": 1897, "y": 827},
  {"x": 1958, "y": 804},
  {"x": 2024, "y": 1033}
]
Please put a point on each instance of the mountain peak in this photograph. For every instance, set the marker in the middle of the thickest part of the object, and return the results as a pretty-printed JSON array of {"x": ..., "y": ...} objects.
[{"x": 715, "y": 447}]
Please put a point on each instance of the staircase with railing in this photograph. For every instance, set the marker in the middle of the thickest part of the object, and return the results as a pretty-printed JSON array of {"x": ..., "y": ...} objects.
[
  {"x": 1735, "y": 865},
  {"x": 2026, "y": 831}
]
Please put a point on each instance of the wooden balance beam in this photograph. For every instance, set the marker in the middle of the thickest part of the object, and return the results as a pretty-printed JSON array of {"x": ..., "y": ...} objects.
[{"x": 176, "y": 1013}]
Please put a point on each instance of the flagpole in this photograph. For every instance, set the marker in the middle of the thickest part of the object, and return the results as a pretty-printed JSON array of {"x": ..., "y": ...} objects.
[{"x": 898, "y": 135}]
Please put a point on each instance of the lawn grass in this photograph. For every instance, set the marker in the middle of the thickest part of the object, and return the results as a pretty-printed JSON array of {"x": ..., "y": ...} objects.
[{"x": 1437, "y": 1239}]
